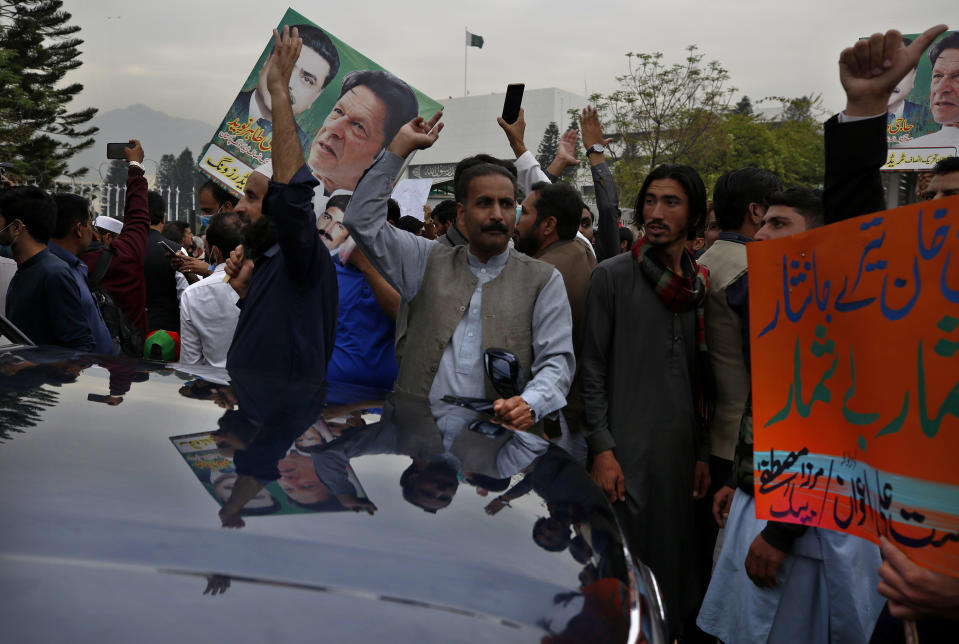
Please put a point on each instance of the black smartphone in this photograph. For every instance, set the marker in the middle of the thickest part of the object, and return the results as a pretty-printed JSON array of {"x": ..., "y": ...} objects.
[
  {"x": 115, "y": 150},
  {"x": 514, "y": 100},
  {"x": 98, "y": 398},
  {"x": 169, "y": 250}
]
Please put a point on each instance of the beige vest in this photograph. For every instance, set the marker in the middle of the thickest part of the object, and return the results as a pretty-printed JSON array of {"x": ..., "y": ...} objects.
[
  {"x": 425, "y": 325},
  {"x": 726, "y": 262}
]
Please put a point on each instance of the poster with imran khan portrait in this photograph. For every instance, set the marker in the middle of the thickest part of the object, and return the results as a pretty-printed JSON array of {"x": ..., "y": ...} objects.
[
  {"x": 923, "y": 112},
  {"x": 347, "y": 108}
]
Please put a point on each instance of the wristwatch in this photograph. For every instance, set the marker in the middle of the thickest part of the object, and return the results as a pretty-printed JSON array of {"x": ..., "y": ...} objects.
[
  {"x": 532, "y": 414},
  {"x": 596, "y": 147},
  {"x": 136, "y": 164}
]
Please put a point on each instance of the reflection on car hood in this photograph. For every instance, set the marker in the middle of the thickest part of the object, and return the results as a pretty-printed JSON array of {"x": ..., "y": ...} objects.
[{"x": 379, "y": 517}]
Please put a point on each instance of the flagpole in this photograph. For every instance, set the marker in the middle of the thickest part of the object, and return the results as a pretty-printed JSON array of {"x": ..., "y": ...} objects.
[{"x": 466, "y": 49}]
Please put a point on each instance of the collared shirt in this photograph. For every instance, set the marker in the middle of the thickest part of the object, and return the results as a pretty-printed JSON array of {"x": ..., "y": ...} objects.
[
  {"x": 101, "y": 335},
  {"x": 208, "y": 316},
  {"x": 401, "y": 258},
  {"x": 287, "y": 321},
  {"x": 44, "y": 302}
]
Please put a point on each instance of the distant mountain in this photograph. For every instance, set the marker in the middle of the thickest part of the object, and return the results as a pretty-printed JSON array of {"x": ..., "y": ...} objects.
[{"x": 159, "y": 133}]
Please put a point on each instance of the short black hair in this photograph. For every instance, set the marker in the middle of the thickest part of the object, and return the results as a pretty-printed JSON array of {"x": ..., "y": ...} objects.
[
  {"x": 220, "y": 194},
  {"x": 478, "y": 166},
  {"x": 946, "y": 166},
  {"x": 317, "y": 40},
  {"x": 445, "y": 211},
  {"x": 562, "y": 201},
  {"x": 626, "y": 235},
  {"x": 157, "y": 207},
  {"x": 949, "y": 42},
  {"x": 224, "y": 232},
  {"x": 175, "y": 230},
  {"x": 692, "y": 185},
  {"x": 411, "y": 224},
  {"x": 32, "y": 206},
  {"x": 736, "y": 189},
  {"x": 806, "y": 201},
  {"x": 393, "y": 212},
  {"x": 398, "y": 98},
  {"x": 339, "y": 201},
  {"x": 71, "y": 210}
]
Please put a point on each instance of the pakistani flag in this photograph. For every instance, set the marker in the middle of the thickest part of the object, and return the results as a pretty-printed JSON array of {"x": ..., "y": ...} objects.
[{"x": 472, "y": 40}]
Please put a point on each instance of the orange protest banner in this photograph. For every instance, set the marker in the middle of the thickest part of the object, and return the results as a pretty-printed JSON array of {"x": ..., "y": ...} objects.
[{"x": 855, "y": 374}]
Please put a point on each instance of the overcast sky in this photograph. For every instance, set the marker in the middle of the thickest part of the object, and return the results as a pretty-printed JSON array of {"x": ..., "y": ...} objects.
[{"x": 189, "y": 58}]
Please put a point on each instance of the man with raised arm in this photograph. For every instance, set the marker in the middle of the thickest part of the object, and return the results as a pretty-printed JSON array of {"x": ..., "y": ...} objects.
[
  {"x": 459, "y": 301},
  {"x": 285, "y": 278}
]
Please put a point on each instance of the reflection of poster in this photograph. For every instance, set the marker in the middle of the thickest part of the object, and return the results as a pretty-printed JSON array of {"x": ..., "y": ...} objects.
[
  {"x": 298, "y": 490},
  {"x": 923, "y": 116},
  {"x": 346, "y": 106},
  {"x": 855, "y": 348}
]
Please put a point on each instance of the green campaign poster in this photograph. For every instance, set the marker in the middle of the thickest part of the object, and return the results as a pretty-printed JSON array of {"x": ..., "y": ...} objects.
[{"x": 347, "y": 108}]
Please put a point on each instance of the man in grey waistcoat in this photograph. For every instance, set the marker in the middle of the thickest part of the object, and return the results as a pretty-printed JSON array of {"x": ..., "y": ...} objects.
[{"x": 459, "y": 301}]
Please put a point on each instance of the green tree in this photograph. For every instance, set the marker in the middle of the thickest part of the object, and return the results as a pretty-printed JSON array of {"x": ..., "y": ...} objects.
[
  {"x": 38, "y": 132},
  {"x": 548, "y": 146},
  {"x": 662, "y": 113}
]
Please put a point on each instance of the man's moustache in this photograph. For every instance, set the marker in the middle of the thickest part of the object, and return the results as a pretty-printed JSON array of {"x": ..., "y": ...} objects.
[{"x": 494, "y": 227}]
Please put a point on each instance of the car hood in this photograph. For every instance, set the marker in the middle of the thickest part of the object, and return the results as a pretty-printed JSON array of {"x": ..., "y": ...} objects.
[{"x": 114, "y": 530}]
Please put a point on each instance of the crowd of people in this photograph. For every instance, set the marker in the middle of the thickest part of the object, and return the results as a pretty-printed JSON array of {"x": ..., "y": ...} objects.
[{"x": 633, "y": 348}]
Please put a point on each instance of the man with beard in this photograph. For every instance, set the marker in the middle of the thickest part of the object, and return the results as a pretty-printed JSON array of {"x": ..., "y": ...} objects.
[
  {"x": 546, "y": 230},
  {"x": 459, "y": 301},
  {"x": 283, "y": 273},
  {"x": 644, "y": 382}
]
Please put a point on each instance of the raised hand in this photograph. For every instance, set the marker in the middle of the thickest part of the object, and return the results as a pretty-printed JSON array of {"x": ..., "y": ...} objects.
[
  {"x": 592, "y": 128},
  {"x": 870, "y": 70},
  {"x": 515, "y": 132},
  {"x": 418, "y": 134},
  {"x": 134, "y": 153},
  {"x": 286, "y": 51}
]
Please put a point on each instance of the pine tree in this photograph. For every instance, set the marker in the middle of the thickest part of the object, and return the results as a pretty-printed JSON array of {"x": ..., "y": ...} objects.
[
  {"x": 117, "y": 173},
  {"x": 548, "y": 146},
  {"x": 166, "y": 171},
  {"x": 38, "y": 134},
  {"x": 744, "y": 106}
]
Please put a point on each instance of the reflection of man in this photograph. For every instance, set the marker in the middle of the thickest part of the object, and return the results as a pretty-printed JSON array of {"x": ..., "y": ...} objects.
[
  {"x": 314, "y": 69},
  {"x": 372, "y": 107},
  {"x": 943, "y": 94}
]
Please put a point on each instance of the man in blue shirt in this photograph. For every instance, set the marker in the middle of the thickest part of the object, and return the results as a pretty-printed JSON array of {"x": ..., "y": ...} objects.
[
  {"x": 43, "y": 299},
  {"x": 365, "y": 327},
  {"x": 71, "y": 236}
]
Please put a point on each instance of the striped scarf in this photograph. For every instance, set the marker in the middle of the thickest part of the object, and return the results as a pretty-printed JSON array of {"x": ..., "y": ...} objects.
[{"x": 679, "y": 294}]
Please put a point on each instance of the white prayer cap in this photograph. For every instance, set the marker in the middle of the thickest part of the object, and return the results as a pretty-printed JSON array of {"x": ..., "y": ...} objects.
[{"x": 109, "y": 223}]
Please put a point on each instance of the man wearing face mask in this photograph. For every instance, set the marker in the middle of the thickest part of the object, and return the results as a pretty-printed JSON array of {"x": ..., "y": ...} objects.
[
  {"x": 208, "y": 311},
  {"x": 43, "y": 299}
]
